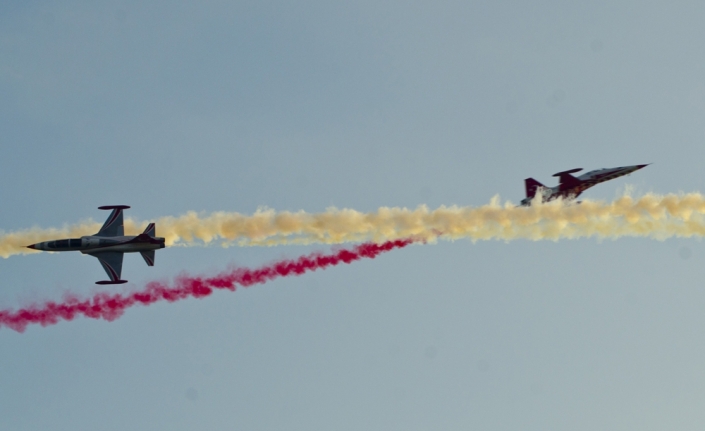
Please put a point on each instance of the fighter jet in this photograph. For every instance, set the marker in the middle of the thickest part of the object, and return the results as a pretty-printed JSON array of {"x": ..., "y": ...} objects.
[
  {"x": 110, "y": 244},
  {"x": 571, "y": 187}
]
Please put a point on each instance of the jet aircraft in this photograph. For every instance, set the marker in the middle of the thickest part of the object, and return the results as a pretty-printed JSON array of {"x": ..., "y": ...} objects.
[
  {"x": 570, "y": 187},
  {"x": 110, "y": 244}
]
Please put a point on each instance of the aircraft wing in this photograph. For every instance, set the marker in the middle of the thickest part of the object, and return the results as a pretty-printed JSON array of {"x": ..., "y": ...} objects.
[
  {"x": 113, "y": 226},
  {"x": 112, "y": 264},
  {"x": 566, "y": 180}
]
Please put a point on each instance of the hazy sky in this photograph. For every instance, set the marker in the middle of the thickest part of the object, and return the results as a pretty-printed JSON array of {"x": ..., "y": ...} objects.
[{"x": 304, "y": 105}]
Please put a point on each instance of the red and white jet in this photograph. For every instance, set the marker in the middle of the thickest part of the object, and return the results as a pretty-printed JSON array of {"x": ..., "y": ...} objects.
[
  {"x": 110, "y": 244},
  {"x": 570, "y": 187}
]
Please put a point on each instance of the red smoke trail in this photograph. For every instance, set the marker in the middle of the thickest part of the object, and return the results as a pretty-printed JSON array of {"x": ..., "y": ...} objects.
[{"x": 111, "y": 306}]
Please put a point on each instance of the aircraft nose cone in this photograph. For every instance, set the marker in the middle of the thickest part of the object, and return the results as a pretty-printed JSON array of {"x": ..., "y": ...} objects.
[
  {"x": 32, "y": 246},
  {"x": 642, "y": 166}
]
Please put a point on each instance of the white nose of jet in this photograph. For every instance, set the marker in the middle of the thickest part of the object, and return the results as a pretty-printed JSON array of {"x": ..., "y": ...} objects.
[{"x": 37, "y": 246}]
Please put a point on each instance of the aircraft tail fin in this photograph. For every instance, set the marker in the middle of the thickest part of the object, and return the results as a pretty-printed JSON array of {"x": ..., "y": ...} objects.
[
  {"x": 151, "y": 230},
  {"x": 148, "y": 257},
  {"x": 531, "y": 187}
]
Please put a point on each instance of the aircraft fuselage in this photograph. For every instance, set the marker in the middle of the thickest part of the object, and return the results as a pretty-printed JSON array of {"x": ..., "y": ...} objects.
[{"x": 98, "y": 244}]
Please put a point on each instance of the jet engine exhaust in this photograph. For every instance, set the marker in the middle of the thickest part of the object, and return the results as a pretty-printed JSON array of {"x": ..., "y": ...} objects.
[
  {"x": 110, "y": 306},
  {"x": 649, "y": 216}
]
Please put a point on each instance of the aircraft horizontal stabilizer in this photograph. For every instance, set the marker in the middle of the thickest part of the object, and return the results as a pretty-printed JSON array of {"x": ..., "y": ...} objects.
[
  {"x": 148, "y": 257},
  {"x": 151, "y": 230},
  {"x": 111, "y": 282}
]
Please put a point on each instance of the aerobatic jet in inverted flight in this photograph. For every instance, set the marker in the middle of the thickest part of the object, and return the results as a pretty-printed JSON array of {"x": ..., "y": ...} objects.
[
  {"x": 110, "y": 244},
  {"x": 570, "y": 187}
]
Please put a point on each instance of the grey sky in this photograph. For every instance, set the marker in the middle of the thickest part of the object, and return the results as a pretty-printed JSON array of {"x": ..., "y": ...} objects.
[{"x": 235, "y": 105}]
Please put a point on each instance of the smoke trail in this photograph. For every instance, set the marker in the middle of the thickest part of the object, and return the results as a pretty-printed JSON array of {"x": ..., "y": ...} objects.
[
  {"x": 651, "y": 216},
  {"x": 111, "y": 306}
]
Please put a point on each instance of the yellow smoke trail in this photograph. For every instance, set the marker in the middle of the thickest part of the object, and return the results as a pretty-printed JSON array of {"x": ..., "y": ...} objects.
[{"x": 650, "y": 216}]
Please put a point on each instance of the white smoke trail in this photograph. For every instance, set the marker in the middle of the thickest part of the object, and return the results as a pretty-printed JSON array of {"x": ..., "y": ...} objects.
[{"x": 651, "y": 216}]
